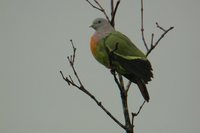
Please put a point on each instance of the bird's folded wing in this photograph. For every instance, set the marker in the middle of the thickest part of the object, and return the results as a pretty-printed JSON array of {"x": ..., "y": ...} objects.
[
  {"x": 124, "y": 44},
  {"x": 138, "y": 66},
  {"x": 128, "y": 56}
]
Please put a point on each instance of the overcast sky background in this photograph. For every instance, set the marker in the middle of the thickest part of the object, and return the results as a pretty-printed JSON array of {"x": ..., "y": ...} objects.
[{"x": 34, "y": 45}]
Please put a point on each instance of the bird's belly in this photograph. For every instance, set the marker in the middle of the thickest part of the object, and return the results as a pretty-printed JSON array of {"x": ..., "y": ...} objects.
[{"x": 102, "y": 57}]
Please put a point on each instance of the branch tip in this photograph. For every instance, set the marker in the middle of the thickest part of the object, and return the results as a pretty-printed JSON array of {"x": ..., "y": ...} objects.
[
  {"x": 99, "y": 7},
  {"x": 161, "y": 28}
]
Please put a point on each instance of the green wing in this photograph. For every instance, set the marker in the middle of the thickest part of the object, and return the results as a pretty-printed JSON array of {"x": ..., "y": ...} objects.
[
  {"x": 128, "y": 59},
  {"x": 125, "y": 46}
]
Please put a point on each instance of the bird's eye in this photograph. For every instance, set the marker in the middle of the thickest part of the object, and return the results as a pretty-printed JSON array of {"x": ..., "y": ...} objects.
[{"x": 99, "y": 21}]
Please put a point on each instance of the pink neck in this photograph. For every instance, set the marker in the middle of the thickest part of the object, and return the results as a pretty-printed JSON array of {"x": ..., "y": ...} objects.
[{"x": 103, "y": 32}]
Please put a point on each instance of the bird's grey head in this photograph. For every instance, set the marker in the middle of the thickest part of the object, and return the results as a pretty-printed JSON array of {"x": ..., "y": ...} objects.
[{"x": 101, "y": 23}]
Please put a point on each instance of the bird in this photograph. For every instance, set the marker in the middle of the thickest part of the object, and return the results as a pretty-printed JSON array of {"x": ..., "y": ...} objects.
[{"x": 116, "y": 51}]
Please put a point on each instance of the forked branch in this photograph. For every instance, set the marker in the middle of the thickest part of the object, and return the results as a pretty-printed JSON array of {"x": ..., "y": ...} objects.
[
  {"x": 113, "y": 12},
  {"x": 136, "y": 114},
  {"x": 152, "y": 44},
  {"x": 80, "y": 86},
  {"x": 99, "y": 7}
]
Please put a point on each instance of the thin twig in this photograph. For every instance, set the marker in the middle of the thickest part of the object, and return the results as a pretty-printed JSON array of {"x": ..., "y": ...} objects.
[
  {"x": 152, "y": 37},
  {"x": 74, "y": 50},
  {"x": 112, "y": 7},
  {"x": 152, "y": 46},
  {"x": 136, "y": 114},
  {"x": 76, "y": 74},
  {"x": 140, "y": 108},
  {"x": 68, "y": 80},
  {"x": 65, "y": 78},
  {"x": 71, "y": 62},
  {"x": 71, "y": 78},
  {"x": 156, "y": 43},
  {"x": 103, "y": 10},
  {"x": 142, "y": 25},
  {"x": 158, "y": 26},
  {"x": 100, "y": 8},
  {"x": 113, "y": 13},
  {"x": 94, "y": 6}
]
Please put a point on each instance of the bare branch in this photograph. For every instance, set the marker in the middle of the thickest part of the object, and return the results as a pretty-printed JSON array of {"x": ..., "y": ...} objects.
[
  {"x": 136, "y": 114},
  {"x": 152, "y": 37},
  {"x": 124, "y": 100},
  {"x": 142, "y": 25},
  {"x": 94, "y": 6},
  {"x": 128, "y": 86},
  {"x": 123, "y": 92},
  {"x": 161, "y": 37},
  {"x": 74, "y": 51},
  {"x": 113, "y": 12},
  {"x": 121, "y": 80},
  {"x": 65, "y": 78},
  {"x": 71, "y": 79},
  {"x": 140, "y": 108},
  {"x": 112, "y": 7},
  {"x": 81, "y": 87},
  {"x": 68, "y": 80},
  {"x": 99, "y": 7},
  {"x": 152, "y": 46},
  {"x": 116, "y": 80},
  {"x": 71, "y": 62},
  {"x": 158, "y": 26}
]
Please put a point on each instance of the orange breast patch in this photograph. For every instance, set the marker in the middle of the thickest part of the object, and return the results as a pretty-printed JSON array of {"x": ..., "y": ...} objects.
[{"x": 93, "y": 44}]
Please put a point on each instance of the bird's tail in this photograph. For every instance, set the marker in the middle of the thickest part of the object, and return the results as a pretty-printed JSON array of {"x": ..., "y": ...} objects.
[{"x": 143, "y": 89}]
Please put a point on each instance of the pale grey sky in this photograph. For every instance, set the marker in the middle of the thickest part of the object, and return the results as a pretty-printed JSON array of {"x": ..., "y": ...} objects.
[{"x": 34, "y": 44}]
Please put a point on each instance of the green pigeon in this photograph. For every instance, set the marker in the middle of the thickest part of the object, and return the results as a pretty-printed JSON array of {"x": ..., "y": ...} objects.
[{"x": 116, "y": 51}]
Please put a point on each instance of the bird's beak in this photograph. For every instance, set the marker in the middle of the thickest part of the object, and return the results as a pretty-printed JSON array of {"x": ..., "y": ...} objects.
[{"x": 91, "y": 26}]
